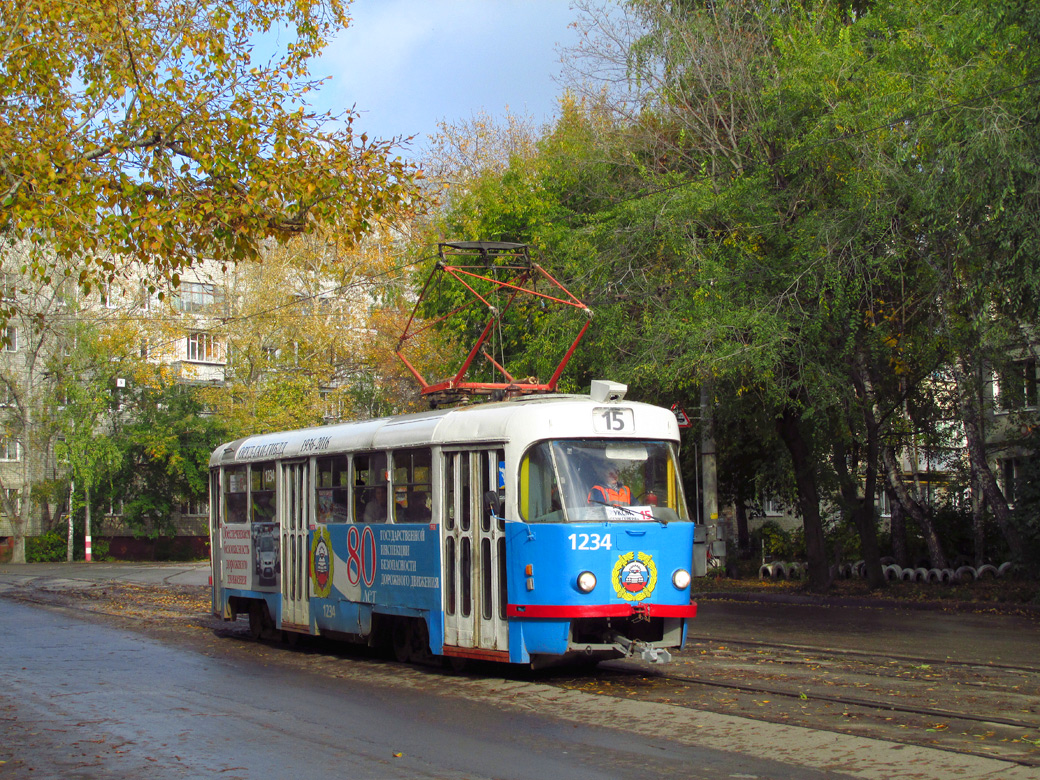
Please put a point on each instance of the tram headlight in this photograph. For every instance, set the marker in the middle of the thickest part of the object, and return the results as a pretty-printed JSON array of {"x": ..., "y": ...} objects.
[
  {"x": 681, "y": 579},
  {"x": 586, "y": 582}
]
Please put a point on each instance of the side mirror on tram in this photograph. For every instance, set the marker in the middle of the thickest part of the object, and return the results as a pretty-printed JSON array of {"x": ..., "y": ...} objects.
[{"x": 492, "y": 503}]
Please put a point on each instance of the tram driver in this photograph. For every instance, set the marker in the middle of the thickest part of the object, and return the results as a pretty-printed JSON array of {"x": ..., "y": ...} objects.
[{"x": 610, "y": 490}]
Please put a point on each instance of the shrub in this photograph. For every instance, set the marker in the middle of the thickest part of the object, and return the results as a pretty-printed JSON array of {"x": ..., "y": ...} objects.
[
  {"x": 51, "y": 547},
  {"x": 775, "y": 541}
]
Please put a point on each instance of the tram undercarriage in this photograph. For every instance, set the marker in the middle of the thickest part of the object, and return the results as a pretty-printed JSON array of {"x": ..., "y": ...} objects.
[{"x": 624, "y": 637}]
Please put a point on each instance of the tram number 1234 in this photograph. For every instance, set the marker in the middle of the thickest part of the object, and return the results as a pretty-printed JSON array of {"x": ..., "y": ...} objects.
[{"x": 590, "y": 541}]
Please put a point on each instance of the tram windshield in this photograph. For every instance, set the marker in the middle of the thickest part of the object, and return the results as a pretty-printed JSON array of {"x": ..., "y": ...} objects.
[{"x": 593, "y": 480}]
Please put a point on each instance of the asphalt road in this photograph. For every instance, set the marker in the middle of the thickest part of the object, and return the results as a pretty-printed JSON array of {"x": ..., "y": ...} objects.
[{"x": 82, "y": 699}]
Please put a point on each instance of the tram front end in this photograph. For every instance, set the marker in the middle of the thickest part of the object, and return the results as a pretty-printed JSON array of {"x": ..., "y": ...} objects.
[{"x": 602, "y": 571}]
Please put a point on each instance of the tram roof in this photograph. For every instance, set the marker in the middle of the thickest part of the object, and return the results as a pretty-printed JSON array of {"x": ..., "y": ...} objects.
[{"x": 528, "y": 419}]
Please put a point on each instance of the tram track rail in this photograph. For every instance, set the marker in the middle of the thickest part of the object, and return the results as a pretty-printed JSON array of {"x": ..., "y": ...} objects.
[
  {"x": 951, "y": 704},
  {"x": 853, "y": 701},
  {"x": 916, "y": 658}
]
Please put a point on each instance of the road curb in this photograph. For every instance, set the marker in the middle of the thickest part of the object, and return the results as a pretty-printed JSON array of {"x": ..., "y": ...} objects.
[{"x": 934, "y": 605}]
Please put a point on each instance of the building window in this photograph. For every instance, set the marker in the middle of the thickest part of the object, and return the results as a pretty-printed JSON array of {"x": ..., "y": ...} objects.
[
  {"x": 196, "y": 297},
  {"x": 202, "y": 347},
  {"x": 9, "y": 287},
  {"x": 11, "y": 339},
  {"x": 332, "y": 405},
  {"x": 1011, "y": 473},
  {"x": 10, "y": 449},
  {"x": 884, "y": 503},
  {"x": 108, "y": 295},
  {"x": 13, "y": 495},
  {"x": 194, "y": 507},
  {"x": 144, "y": 298},
  {"x": 1017, "y": 386}
]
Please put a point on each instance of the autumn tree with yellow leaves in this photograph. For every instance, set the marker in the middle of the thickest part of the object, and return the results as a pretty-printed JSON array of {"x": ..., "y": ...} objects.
[{"x": 156, "y": 131}]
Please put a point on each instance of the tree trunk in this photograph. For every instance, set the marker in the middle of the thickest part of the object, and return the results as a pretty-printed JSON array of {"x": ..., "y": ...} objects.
[
  {"x": 743, "y": 535},
  {"x": 18, "y": 549},
  {"x": 897, "y": 529},
  {"x": 863, "y": 509},
  {"x": 978, "y": 519},
  {"x": 72, "y": 493},
  {"x": 971, "y": 418},
  {"x": 913, "y": 508},
  {"x": 789, "y": 428}
]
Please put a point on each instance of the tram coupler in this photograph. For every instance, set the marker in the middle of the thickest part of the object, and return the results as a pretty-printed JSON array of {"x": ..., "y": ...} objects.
[
  {"x": 648, "y": 653},
  {"x": 656, "y": 655}
]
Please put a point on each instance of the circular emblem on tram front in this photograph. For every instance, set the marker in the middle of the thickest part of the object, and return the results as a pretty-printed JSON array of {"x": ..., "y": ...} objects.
[
  {"x": 634, "y": 576},
  {"x": 321, "y": 563}
]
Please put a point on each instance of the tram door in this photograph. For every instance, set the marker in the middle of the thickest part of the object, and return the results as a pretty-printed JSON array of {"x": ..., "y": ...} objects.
[
  {"x": 294, "y": 514},
  {"x": 474, "y": 574},
  {"x": 216, "y": 546}
]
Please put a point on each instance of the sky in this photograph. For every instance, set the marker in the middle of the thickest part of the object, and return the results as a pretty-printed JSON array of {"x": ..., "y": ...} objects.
[{"x": 406, "y": 65}]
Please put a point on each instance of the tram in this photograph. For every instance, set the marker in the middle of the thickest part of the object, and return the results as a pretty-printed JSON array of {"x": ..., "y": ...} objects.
[{"x": 468, "y": 533}]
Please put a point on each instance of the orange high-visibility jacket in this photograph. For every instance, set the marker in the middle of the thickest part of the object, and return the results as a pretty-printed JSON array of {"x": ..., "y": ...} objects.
[{"x": 619, "y": 495}]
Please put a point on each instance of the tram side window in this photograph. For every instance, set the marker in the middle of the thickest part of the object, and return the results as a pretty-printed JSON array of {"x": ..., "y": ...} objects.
[
  {"x": 493, "y": 497},
  {"x": 333, "y": 489},
  {"x": 370, "y": 487},
  {"x": 539, "y": 491},
  {"x": 262, "y": 493},
  {"x": 449, "y": 490},
  {"x": 236, "y": 495},
  {"x": 412, "y": 485}
]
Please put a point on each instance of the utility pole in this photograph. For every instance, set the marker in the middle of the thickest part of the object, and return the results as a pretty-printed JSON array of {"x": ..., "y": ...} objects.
[
  {"x": 86, "y": 541},
  {"x": 709, "y": 471}
]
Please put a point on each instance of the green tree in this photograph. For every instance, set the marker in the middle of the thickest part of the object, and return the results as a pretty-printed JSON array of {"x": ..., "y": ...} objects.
[
  {"x": 85, "y": 393},
  {"x": 777, "y": 207},
  {"x": 165, "y": 438}
]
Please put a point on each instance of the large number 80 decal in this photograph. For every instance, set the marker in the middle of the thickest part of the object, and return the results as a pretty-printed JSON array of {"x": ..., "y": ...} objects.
[{"x": 361, "y": 555}]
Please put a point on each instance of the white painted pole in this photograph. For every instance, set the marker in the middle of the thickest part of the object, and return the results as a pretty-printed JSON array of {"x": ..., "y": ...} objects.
[{"x": 87, "y": 523}]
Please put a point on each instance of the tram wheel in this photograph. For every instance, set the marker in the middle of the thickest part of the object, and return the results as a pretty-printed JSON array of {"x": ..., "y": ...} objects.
[
  {"x": 256, "y": 620},
  {"x": 411, "y": 641},
  {"x": 401, "y": 639},
  {"x": 419, "y": 641}
]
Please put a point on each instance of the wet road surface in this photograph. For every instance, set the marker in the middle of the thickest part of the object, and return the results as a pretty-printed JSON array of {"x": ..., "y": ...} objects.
[{"x": 84, "y": 700}]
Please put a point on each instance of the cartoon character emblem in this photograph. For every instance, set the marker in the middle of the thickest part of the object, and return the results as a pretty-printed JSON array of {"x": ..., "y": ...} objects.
[
  {"x": 321, "y": 563},
  {"x": 634, "y": 576}
]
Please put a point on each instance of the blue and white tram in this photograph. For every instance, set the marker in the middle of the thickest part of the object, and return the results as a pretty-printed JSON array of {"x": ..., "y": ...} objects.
[{"x": 471, "y": 532}]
